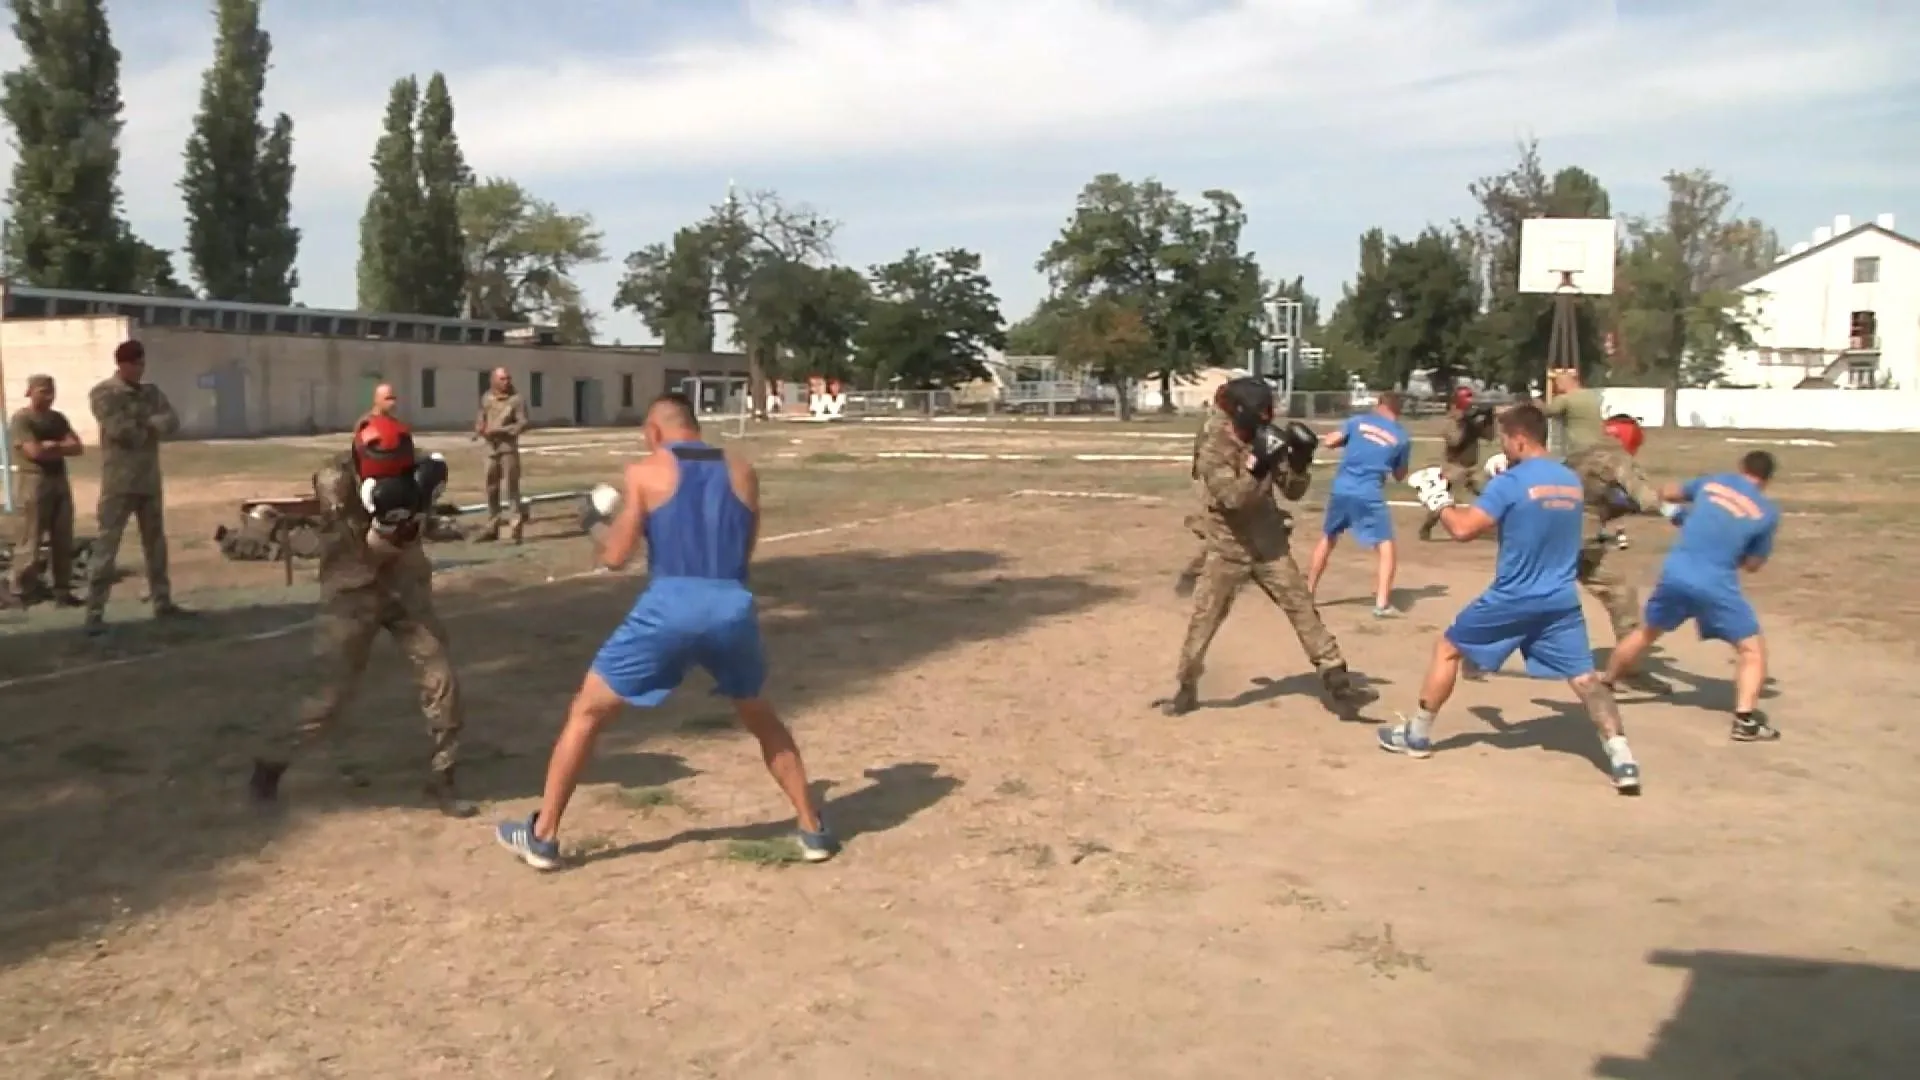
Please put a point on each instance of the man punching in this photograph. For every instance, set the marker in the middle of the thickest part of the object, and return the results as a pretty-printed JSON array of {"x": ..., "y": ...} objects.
[
  {"x": 1614, "y": 488},
  {"x": 1238, "y": 462},
  {"x": 1376, "y": 447},
  {"x": 375, "y": 501},
  {"x": 1468, "y": 425}
]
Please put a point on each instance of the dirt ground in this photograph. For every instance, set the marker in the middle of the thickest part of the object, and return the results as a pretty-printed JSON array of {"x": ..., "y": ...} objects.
[{"x": 1043, "y": 877}]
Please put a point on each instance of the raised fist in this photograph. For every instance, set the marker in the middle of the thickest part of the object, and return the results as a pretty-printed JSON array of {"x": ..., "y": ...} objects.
[
  {"x": 1430, "y": 487},
  {"x": 1301, "y": 444},
  {"x": 603, "y": 502}
]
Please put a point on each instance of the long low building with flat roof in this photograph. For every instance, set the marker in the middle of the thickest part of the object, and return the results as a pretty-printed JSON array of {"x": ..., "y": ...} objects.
[{"x": 236, "y": 370}]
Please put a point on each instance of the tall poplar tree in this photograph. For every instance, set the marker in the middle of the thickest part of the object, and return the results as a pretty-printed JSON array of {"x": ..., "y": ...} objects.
[
  {"x": 439, "y": 244},
  {"x": 389, "y": 272}
]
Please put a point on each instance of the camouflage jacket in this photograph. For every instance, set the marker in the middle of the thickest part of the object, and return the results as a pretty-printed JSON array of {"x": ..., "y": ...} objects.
[
  {"x": 132, "y": 419},
  {"x": 1238, "y": 514},
  {"x": 1614, "y": 485},
  {"x": 501, "y": 421},
  {"x": 346, "y": 563},
  {"x": 1461, "y": 442}
]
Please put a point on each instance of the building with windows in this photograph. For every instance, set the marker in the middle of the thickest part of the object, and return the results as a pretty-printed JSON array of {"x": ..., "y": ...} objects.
[
  {"x": 1840, "y": 309},
  {"x": 237, "y": 370}
]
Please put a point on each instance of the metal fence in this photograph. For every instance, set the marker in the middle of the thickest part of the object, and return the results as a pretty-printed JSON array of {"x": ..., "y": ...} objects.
[{"x": 1069, "y": 398}]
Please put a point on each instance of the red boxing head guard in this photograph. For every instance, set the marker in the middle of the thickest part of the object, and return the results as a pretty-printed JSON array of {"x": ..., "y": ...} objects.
[
  {"x": 1462, "y": 397},
  {"x": 1626, "y": 431},
  {"x": 382, "y": 447}
]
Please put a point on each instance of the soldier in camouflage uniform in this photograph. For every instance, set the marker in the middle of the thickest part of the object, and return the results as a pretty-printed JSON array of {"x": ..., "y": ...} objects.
[
  {"x": 1238, "y": 464},
  {"x": 367, "y": 587},
  {"x": 502, "y": 420},
  {"x": 1468, "y": 425},
  {"x": 133, "y": 416},
  {"x": 1615, "y": 487},
  {"x": 42, "y": 441}
]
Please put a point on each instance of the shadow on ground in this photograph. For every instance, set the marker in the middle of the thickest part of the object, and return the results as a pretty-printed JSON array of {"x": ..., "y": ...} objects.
[
  {"x": 1775, "y": 1018},
  {"x": 121, "y": 789},
  {"x": 1565, "y": 730}
]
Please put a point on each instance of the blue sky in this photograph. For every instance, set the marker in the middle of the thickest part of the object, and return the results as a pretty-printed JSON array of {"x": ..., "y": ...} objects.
[{"x": 973, "y": 123}]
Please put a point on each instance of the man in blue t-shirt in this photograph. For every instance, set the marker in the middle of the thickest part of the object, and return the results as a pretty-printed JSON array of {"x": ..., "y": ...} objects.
[
  {"x": 1376, "y": 447},
  {"x": 1533, "y": 605},
  {"x": 1727, "y": 525}
]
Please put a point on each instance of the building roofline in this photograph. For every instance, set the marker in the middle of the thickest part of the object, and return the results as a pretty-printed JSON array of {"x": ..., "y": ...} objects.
[
  {"x": 1863, "y": 227},
  {"x": 139, "y": 299}
]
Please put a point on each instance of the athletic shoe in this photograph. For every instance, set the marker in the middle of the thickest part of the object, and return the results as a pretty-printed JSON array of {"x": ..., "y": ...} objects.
[
  {"x": 517, "y": 837},
  {"x": 1754, "y": 729},
  {"x": 1400, "y": 739},
  {"x": 1626, "y": 777},
  {"x": 818, "y": 846},
  {"x": 1385, "y": 613}
]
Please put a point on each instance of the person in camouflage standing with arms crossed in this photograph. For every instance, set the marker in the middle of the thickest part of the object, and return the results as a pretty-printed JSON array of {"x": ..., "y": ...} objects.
[
  {"x": 1468, "y": 425},
  {"x": 502, "y": 419},
  {"x": 133, "y": 417},
  {"x": 1239, "y": 461},
  {"x": 374, "y": 502}
]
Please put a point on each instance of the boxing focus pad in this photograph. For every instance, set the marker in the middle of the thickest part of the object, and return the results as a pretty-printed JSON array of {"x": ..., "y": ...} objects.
[
  {"x": 1430, "y": 485},
  {"x": 1268, "y": 446},
  {"x": 430, "y": 480},
  {"x": 392, "y": 501},
  {"x": 1496, "y": 464},
  {"x": 603, "y": 502},
  {"x": 1301, "y": 444}
]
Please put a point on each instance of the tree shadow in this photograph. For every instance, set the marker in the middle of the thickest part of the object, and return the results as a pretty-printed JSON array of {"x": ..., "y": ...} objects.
[
  {"x": 1403, "y": 598},
  {"x": 122, "y": 788},
  {"x": 1760, "y": 1017},
  {"x": 898, "y": 792},
  {"x": 1566, "y": 730}
]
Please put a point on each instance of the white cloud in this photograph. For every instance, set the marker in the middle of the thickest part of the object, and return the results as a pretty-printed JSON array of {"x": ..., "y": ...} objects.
[{"x": 1290, "y": 83}]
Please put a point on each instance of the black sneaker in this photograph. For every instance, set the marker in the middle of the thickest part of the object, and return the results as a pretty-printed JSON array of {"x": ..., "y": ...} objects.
[{"x": 1754, "y": 729}]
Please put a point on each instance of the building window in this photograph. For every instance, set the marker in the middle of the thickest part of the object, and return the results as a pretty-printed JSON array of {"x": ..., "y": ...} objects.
[
  {"x": 1866, "y": 270},
  {"x": 1863, "y": 331},
  {"x": 429, "y": 388},
  {"x": 230, "y": 320},
  {"x": 286, "y": 324},
  {"x": 347, "y": 327},
  {"x": 536, "y": 390},
  {"x": 258, "y": 323},
  {"x": 166, "y": 316},
  {"x": 483, "y": 380},
  {"x": 450, "y": 334},
  {"x": 626, "y": 391}
]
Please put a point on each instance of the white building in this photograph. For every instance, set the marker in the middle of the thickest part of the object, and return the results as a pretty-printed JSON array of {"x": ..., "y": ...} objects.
[{"x": 1842, "y": 308}]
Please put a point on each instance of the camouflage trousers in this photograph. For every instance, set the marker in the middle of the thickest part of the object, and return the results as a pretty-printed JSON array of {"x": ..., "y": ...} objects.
[
  {"x": 46, "y": 513},
  {"x": 1218, "y": 578},
  {"x": 1464, "y": 483},
  {"x": 148, "y": 512},
  {"x": 344, "y": 632},
  {"x": 1611, "y": 588},
  {"x": 503, "y": 493}
]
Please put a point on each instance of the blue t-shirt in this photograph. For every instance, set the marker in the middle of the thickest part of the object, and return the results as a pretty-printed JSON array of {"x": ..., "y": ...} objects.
[
  {"x": 1728, "y": 520},
  {"x": 1537, "y": 504},
  {"x": 1375, "y": 449}
]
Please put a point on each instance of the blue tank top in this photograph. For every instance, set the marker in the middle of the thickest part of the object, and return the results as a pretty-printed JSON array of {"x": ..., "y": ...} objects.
[{"x": 702, "y": 530}]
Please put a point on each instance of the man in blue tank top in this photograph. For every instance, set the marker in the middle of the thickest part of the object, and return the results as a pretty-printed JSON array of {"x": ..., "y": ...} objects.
[
  {"x": 1727, "y": 525},
  {"x": 700, "y": 513},
  {"x": 1376, "y": 447},
  {"x": 1533, "y": 605}
]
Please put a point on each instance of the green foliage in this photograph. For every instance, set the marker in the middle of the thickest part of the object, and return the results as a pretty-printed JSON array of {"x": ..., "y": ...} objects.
[
  {"x": 1414, "y": 306},
  {"x": 1044, "y": 330},
  {"x": 439, "y": 258},
  {"x": 66, "y": 230},
  {"x": 238, "y": 177},
  {"x": 521, "y": 256},
  {"x": 389, "y": 279},
  {"x": 1177, "y": 265},
  {"x": 930, "y": 322},
  {"x": 829, "y": 308},
  {"x": 1111, "y": 341}
]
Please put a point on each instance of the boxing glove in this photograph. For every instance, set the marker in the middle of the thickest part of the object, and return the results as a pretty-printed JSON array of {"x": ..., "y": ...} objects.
[
  {"x": 1496, "y": 464},
  {"x": 602, "y": 503},
  {"x": 1301, "y": 445}
]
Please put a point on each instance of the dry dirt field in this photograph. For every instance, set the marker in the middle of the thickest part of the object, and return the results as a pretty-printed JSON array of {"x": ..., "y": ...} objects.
[{"x": 1043, "y": 877}]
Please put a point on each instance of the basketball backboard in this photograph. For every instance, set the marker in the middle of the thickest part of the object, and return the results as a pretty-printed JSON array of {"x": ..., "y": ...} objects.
[{"x": 1567, "y": 256}]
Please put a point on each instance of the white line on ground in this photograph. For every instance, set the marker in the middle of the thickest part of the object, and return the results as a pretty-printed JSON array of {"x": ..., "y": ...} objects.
[{"x": 514, "y": 591}]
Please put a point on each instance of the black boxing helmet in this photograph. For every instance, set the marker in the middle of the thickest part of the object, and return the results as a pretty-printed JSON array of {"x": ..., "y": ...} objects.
[{"x": 1247, "y": 401}]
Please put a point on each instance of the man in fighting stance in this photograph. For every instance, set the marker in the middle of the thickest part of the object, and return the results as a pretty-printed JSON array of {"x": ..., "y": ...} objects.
[
  {"x": 1239, "y": 460},
  {"x": 1468, "y": 425},
  {"x": 1614, "y": 488},
  {"x": 375, "y": 501}
]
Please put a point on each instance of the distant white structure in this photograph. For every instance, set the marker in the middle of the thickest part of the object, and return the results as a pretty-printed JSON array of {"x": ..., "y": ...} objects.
[{"x": 1842, "y": 310}]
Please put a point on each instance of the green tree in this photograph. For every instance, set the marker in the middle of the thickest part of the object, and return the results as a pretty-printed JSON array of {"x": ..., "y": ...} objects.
[
  {"x": 1177, "y": 266},
  {"x": 389, "y": 272},
  {"x": 829, "y": 308},
  {"x": 1414, "y": 306},
  {"x": 66, "y": 230},
  {"x": 735, "y": 263},
  {"x": 521, "y": 257},
  {"x": 1679, "y": 290},
  {"x": 1110, "y": 340},
  {"x": 931, "y": 320},
  {"x": 238, "y": 179},
  {"x": 1045, "y": 328},
  {"x": 440, "y": 262}
]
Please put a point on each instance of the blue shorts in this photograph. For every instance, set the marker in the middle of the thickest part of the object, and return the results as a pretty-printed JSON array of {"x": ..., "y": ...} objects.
[
  {"x": 1368, "y": 519},
  {"x": 679, "y": 623},
  {"x": 1721, "y": 613},
  {"x": 1553, "y": 643}
]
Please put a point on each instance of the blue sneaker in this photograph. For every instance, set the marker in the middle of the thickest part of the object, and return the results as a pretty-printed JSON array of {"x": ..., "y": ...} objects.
[
  {"x": 1400, "y": 739},
  {"x": 1626, "y": 777},
  {"x": 517, "y": 837},
  {"x": 818, "y": 846}
]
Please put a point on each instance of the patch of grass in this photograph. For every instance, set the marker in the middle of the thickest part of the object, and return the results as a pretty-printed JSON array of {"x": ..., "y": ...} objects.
[
  {"x": 763, "y": 852},
  {"x": 831, "y": 457},
  {"x": 101, "y": 758},
  {"x": 1381, "y": 953},
  {"x": 646, "y": 799}
]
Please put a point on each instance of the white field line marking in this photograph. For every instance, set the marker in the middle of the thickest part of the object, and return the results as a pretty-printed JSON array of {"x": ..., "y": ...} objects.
[
  {"x": 1040, "y": 493},
  {"x": 501, "y": 602}
]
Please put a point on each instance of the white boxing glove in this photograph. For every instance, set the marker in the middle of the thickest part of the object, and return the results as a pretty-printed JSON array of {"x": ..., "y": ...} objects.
[
  {"x": 603, "y": 502},
  {"x": 1671, "y": 511},
  {"x": 1496, "y": 464},
  {"x": 1430, "y": 486}
]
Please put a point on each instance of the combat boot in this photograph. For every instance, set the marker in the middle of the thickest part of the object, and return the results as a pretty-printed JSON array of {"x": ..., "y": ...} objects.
[
  {"x": 519, "y": 531},
  {"x": 1184, "y": 700},
  {"x": 264, "y": 784},
  {"x": 446, "y": 794},
  {"x": 1347, "y": 694}
]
